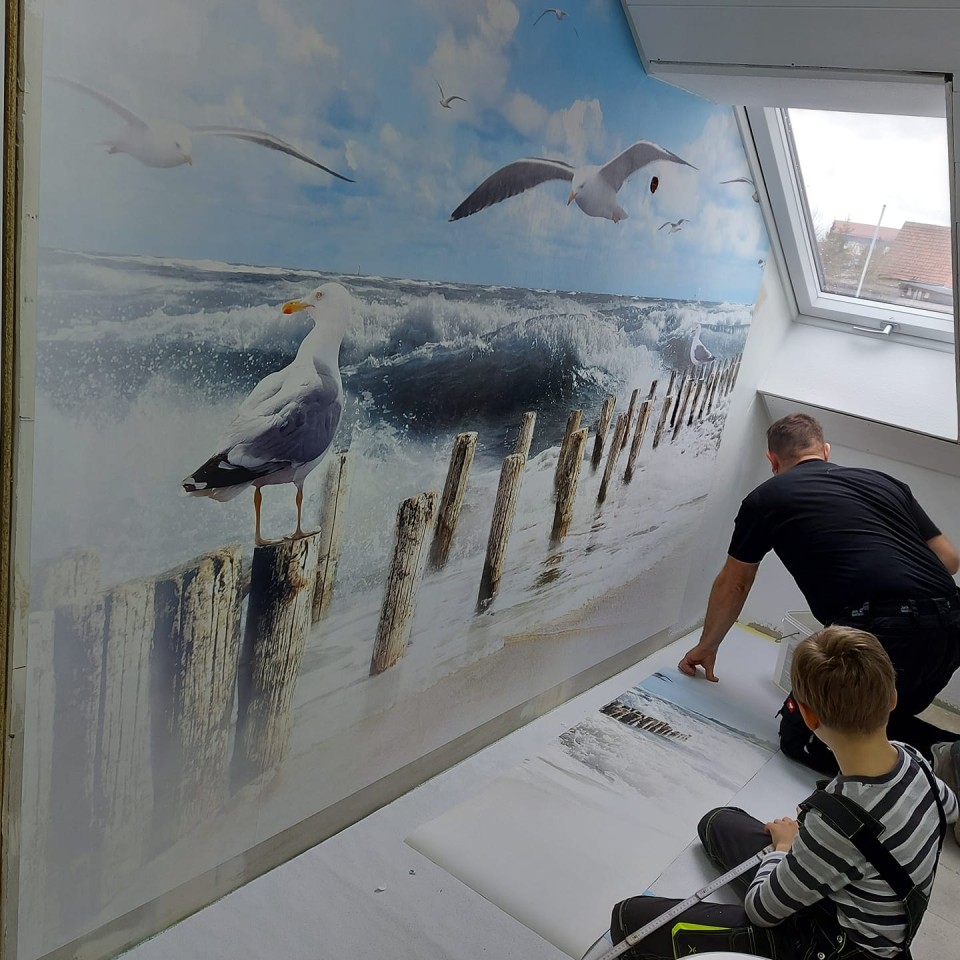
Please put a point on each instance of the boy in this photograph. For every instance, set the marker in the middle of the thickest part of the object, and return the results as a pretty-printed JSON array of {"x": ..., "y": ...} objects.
[{"x": 815, "y": 895}]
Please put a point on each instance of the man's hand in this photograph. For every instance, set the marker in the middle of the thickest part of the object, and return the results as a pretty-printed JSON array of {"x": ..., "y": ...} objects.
[
  {"x": 701, "y": 655},
  {"x": 782, "y": 832}
]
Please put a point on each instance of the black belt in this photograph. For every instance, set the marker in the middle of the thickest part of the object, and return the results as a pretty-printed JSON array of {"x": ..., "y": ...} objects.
[{"x": 901, "y": 608}]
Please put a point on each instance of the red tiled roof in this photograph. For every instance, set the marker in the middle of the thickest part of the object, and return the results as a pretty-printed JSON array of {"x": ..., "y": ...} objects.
[
  {"x": 864, "y": 231},
  {"x": 921, "y": 252}
]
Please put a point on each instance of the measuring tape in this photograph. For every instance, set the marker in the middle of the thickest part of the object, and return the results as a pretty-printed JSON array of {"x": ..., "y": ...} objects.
[{"x": 664, "y": 918}]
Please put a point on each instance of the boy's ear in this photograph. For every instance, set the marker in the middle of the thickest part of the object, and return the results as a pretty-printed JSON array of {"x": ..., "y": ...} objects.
[
  {"x": 809, "y": 717},
  {"x": 893, "y": 702}
]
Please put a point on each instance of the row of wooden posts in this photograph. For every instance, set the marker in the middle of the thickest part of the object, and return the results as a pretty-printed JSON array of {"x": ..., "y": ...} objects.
[
  {"x": 697, "y": 390},
  {"x": 635, "y": 718},
  {"x": 156, "y": 699}
]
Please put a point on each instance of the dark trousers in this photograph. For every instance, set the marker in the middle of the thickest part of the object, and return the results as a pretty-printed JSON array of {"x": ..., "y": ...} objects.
[
  {"x": 925, "y": 650},
  {"x": 729, "y": 837}
]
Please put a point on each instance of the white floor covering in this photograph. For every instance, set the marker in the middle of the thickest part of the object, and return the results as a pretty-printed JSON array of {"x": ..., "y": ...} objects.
[{"x": 367, "y": 894}]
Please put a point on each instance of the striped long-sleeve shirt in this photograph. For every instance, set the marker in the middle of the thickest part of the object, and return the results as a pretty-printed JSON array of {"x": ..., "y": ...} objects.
[{"x": 822, "y": 863}]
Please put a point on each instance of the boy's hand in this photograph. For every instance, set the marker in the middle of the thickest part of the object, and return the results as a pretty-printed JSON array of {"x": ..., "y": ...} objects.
[{"x": 782, "y": 832}]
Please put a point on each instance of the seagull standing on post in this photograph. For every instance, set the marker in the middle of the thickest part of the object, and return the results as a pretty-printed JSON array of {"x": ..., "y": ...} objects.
[
  {"x": 287, "y": 424},
  {"x": 700, "y": 356}
]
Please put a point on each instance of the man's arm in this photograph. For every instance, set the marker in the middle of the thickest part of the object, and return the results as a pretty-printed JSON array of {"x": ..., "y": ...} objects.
[
  {"x": 727, "y": 596},
  {"x": 946, "y": 551}
]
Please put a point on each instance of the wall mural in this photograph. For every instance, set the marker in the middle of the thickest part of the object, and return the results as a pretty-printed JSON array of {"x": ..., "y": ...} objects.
[{"x": 370, "y": 336}]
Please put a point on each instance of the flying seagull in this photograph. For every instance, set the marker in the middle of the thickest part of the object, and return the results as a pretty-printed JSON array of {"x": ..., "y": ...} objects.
[
  {"x": 287, "y": 424},
  {"x": 446, "y": 101},
  {"x": 164, "y": 143},
  {"x": 559, "y": 14},
  {"x": 699, "y": 354},
  {"x": 756, "y": 194},
  {"x": 593, "y": 188},
  {"x": 675, "y": 226}
]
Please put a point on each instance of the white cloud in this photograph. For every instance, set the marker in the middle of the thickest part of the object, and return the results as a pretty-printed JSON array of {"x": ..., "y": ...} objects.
[
  {"x": 299, "y": 42},
  {"x": 525, "y": 114},
  {"x": 578, "y": 131}
]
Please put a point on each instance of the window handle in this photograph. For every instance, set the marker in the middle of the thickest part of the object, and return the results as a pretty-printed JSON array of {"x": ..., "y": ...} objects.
[{"x": 885, "y": 330}]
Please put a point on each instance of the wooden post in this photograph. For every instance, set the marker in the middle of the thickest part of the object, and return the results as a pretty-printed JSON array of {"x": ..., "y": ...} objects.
[
  {"x": 278, "y": 619},
  {"x": 504, "y": 508},
  {"x": 336, "y": 490},
  {"x": 662, "y": 422},
  {"x": 603, "y": 425},
  {"x": 714, "y": 386},
  {"x": 567, "y": 489},
  {"x": 526, "y": 434},
  {"x": 454, "y": 490},
  {"x": 707, "y": 387},
  {"x": 696, "y": 400},
  {"x": 66, "y": 579},
  {"x": 688, "y": 388},
  {"x": 630, "y": 409},
  {"x": 400, "y": 597},
  {"x": 195, "y": 656},
  {"x": 676, "y": 407},
  {"x": 573, "y": 424},
  {"x": 673, "y": 379},
  {"x": 736, "y": 372},
  {"x": 619, "y": 434},
  {"x": 642, "y": 420}
]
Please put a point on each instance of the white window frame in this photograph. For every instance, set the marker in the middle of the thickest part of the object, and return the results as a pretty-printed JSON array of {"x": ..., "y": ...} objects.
[{"x": 796, "y": 238}]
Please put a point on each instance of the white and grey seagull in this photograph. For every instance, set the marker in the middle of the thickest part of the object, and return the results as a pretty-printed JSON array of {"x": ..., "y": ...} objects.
[
  {"x": 287, "y": 424},
  {"x": 699, "y": 355},
  {"x": 444, "y": 100},
  {"x": 593, "y": 188},
  {"x": 165, "y": 143},
  {"x": 559, "y": 14},
  {"x": 756, "y": 194},
  {"x": 675, "y": 226}
]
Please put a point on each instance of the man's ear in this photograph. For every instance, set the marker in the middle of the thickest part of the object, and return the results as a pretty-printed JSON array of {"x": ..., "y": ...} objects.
[
  {"x": 774, "y": 462},
  {"x": 809, "y": 717},
  {"x": 826, "y": 451}
]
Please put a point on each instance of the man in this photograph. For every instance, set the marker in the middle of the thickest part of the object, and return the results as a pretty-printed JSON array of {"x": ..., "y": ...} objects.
[{"x": 864, "y": 554}]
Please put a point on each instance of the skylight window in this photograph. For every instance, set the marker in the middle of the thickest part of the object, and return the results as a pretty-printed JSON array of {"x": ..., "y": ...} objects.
[
  {"x": 877, "y": 205},
  {"x": 861, "y": 204}
]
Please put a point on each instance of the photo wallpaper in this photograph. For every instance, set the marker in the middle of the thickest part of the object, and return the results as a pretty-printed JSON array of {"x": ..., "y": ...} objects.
[{"x": 371, "y": 337}]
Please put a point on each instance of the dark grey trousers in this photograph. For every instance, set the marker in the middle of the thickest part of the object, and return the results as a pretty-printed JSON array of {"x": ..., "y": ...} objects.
[{"x": 730, "y": 836}]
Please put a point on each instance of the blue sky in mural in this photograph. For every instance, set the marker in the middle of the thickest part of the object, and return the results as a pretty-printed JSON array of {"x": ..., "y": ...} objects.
[{"x": 355, "y": 85}]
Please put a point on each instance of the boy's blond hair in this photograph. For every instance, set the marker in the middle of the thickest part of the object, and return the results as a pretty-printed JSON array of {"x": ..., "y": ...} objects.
[{"x": 846, "y": 678}]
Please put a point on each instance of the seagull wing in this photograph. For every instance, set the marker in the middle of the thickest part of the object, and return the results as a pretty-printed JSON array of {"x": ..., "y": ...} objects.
[
  {"x": 264, "y": 140},
  {"x": 437, "y": 82},
  {"x": 451, "y": 99},
  {"x": 662, "y": 225},
  {"x": 739, "y": 180},
  {"x": 542, "y": 15},
  {"x": 107, "y": 101},
  {"x": 510, "y": 180},
  {"x": 633, "y": 158}
]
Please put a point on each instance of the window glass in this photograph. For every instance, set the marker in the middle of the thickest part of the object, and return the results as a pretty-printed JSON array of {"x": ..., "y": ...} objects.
[{"x": 877, "y": 199}]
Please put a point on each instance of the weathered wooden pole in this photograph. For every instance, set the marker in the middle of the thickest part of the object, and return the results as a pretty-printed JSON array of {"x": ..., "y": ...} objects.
[
  {"x": 573, "y": 424},
  {"x": 526, "y": 434},
  {"x": 696, "y": 400},
  {"x": 662, "y": 422},
  {"x": 687, "y": 390},
  {"x": 567, "y": 487},
  {"x": 707, "y": 387},
  {"x": 194, "y": 662},
  {"x": 278, "y": 620},
  {"x": 603, "y": 425},
  {"x": 642, "y": 419},
  {"x": 504, "y": 508},
  {"x": 336, "y": 491},
  {"x": 619, "y": 433},
  {"x": 451, "y": 502},
  {"x": 676, "y": 407},
  {"x": 66, "y": 579},
  {"x": 673, "y": 379},
  {"x": 736, "y": 371},
  {"x": 414, "y": 518},
  {"x": 714, "y": 386},
  {"x": 630, "y": 409}
]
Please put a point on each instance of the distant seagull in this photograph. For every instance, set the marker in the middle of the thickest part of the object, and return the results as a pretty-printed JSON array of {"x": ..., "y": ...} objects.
[
  {"x": 446, "y": 101},
  {"x": 756, "y": 194},
  {"x": 163, "y": 143},
  {"x": 559, "y": 14},
  {"x": 675, "y": 227},
  {"x": 699, "y": 355},
  {"x": 593, "y": 188},
  {"x": 288, "y": 423},
  {"x": 761, "y": 263}
]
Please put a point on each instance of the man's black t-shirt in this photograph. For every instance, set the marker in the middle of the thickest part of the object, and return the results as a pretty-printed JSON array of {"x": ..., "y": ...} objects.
[{"x": 846, "y": 534}]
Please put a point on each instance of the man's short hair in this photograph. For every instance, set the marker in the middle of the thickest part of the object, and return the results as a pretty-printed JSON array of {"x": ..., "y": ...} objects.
[
  {"x": 794, "y": 435},
  {"x": 846, "y": 678}
]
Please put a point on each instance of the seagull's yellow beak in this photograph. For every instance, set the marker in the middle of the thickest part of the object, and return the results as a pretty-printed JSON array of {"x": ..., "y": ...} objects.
[
  {"x": 293, "y": 306},
  {"x": 572, "y": 197}
]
